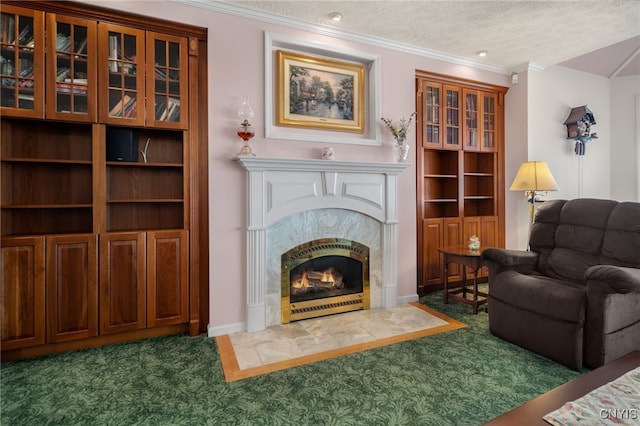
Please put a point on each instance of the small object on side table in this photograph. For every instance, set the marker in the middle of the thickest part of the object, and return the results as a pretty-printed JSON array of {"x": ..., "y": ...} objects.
[{"x": 467, "y": 258}]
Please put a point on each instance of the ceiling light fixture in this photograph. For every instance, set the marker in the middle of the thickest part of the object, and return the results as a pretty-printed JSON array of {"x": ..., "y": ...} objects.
[
  {"x": 335, "y": 16},
  {"x": 481, "y": 53}
]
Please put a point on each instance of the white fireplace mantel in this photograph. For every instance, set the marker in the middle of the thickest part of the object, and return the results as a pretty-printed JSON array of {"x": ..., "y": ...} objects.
[{"x": 278, "y": 188}]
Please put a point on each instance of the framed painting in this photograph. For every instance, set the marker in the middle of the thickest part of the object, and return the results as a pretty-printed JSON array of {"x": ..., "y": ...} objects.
[{"x": 319, "y": 93}]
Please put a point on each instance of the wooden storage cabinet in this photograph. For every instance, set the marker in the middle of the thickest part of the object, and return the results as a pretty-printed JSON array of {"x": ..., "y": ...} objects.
[
  {"x": 23, "y": 296},
  {"x": 72, "y": 287},
  {"x": 123, "y": 282},
  {"x": 460, "y": 168},
  {"x": 143, "y": 280},
  {"x": 49, "y": 289},
  {"x": 167, "y": 278},
  {"x": 97, "y": 250}
]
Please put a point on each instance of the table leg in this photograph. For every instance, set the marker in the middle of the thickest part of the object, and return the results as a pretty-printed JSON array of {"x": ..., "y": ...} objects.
[
  {"x": 475, "y": 291},
  {"x": 446, "y": 281},
  {"x": 464, "y": 280}
]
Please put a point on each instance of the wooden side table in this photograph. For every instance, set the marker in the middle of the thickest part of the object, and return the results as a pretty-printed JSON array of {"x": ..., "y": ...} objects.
[{"x": 467, "y": 258}]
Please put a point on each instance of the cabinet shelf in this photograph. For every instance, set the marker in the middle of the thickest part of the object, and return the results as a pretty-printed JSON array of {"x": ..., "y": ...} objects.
[
  {"x": 478, "y": 197},
  {"x": 140, "y": 164},
  {"x": 46, "y": 161},
  {"x": 433, "y": 176},
  {"x": 442, "y": 200},
  {"x": 147, "y": 200},
  {"x": 47, "y": 206},
  {"x": 478, "y": 174}
]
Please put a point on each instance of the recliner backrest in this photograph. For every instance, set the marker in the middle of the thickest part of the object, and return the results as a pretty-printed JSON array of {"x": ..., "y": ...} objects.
[{"x": 569, "y": 235}]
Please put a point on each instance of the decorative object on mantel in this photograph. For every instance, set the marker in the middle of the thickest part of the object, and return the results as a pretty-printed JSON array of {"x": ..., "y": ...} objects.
[
  {"x": 579, "y": 125},
  {"x": 245, "y": 131},
  {"x": 533, "y": 177},
  {"x": 399, "y": 132},
  {"x": 328, "y": 153}
]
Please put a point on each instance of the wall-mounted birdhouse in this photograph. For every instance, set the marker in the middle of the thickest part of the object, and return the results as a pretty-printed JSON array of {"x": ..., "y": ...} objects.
[{"x": 579, "y": 125}]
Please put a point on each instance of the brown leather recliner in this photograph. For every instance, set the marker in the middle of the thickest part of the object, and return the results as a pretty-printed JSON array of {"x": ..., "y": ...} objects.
[{"x": 575, "y": 296}]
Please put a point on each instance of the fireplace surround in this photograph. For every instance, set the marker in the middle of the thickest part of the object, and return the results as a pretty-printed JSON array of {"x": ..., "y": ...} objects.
[{"x": 279, "y": 189}]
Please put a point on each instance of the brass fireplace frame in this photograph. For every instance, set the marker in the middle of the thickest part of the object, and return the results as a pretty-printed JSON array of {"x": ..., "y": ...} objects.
[{"x": 329, "y": 305}]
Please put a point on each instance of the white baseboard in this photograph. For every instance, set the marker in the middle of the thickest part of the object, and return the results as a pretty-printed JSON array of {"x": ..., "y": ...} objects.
[
  {"x": 226, "y": 329},
  {"x": 407, "y": 299}
]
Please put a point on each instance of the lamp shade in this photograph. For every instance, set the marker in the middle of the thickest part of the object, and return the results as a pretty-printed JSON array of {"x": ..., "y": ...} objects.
[{"x": 534, "y": 176}]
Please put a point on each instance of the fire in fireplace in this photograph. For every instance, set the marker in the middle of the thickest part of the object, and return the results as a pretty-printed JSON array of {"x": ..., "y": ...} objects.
[{"x": 324, "y": 277}]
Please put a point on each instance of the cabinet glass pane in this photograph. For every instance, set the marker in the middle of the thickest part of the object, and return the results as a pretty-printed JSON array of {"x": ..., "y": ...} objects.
[
  {"x": 71, "y": 68},
  {"x": 123, "y": 77},
  {"x": 489, "y": 122},
  {"x": 16, "y": 61},
  {"x": 471, "y": 115},
  {"x": 432, "y": 107},
  {"x": 453, "y": 113},
  {"x": 167, "y": 81}
]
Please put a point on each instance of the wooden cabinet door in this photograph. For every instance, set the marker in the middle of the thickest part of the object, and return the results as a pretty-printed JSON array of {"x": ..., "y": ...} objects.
[
  {"x": 489, "y": 136},
  {"x": 439, "y": 233},
  {"x": 167, "y": 94},
  {"x": 471, "y": 122},
  {"x": 22, "y": 284},
  {"x": 121, "y": 75},
  {"x": 71, "y": 68},
  {"x": 430, "y": 110},
  {"x": 22, "y": 67},
  {"x": 123, "y": 282},
  {"x": 452, "y": 117},
  {"x": 71, "y": 287},
  {"x": 167, "y": 278}
]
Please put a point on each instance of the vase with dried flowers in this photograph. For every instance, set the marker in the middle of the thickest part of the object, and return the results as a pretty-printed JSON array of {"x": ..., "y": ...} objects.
[{"x": 399, "y": 132}]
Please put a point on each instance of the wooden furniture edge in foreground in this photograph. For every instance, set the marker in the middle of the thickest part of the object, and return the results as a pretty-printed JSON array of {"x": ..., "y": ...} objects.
[{"x": 531, "y": 413}]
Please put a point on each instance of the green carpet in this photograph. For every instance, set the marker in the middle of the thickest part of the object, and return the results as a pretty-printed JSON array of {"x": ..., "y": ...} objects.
[{"x": 462, "y": 377}]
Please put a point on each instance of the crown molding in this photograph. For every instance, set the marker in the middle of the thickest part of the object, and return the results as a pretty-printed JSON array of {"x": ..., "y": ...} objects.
[
  {"x": 528, "y": 66},
  {"x": 273, "y": 18}
]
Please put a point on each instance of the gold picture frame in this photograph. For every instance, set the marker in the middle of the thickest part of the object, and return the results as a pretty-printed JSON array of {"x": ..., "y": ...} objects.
[{"x": 319, "y": 93}]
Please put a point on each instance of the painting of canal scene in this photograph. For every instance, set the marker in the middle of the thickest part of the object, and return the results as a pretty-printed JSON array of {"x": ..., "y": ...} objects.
[{"x": 319, "y": 93}]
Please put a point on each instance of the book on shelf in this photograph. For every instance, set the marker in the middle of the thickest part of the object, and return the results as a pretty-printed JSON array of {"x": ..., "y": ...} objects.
[
  {"x": 7, "y": 22},
  {"x": 126, "y": 107},
  {"x": 82, "y": 47},
  {"x": 63, "y": 43}
]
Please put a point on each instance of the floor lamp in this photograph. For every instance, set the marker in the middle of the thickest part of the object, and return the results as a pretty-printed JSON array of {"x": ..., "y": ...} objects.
[{"x": 533, "y": 177}]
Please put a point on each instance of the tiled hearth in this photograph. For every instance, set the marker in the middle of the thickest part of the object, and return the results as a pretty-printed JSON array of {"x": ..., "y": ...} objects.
[{"x": 292, "y": 201}]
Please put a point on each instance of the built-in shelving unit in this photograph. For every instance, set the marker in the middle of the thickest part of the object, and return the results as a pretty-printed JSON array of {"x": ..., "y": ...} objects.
[
  {"x": 460, "y": 169},
  {"x": 93, "y": 246}
]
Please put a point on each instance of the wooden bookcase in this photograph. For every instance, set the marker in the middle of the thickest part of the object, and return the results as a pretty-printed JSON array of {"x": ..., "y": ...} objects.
[
  {"x": 460, "y": 170},
  {"x": 97, "y": 250}
]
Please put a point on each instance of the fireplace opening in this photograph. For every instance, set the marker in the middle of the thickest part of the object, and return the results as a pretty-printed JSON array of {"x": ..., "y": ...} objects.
[{"x": 324, "y": 277}]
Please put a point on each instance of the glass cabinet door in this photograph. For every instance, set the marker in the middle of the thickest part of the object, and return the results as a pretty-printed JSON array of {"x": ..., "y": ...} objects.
[
  {"x": 431, "y": 107},
  {"x": 166, "y": 81},
  {"x": 471, "y": 112},
  {"x": 489, "y": 122},
  {"x": 121, "y": 71},
  {"x": 22, "y": 62},
  {"x": 453, "y": 122},
  {"x": 71, "y": 71}
]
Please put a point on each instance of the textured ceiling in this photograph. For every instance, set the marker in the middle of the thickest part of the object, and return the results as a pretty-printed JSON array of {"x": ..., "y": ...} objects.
[{"x": 513, "y": 32}]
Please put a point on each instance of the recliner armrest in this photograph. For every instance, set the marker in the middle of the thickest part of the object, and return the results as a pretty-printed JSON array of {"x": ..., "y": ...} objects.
[
  {"x": 510, "y": 258},
  {"x": 498, "y": 260},
  {"x": 618, "y": 278}
]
